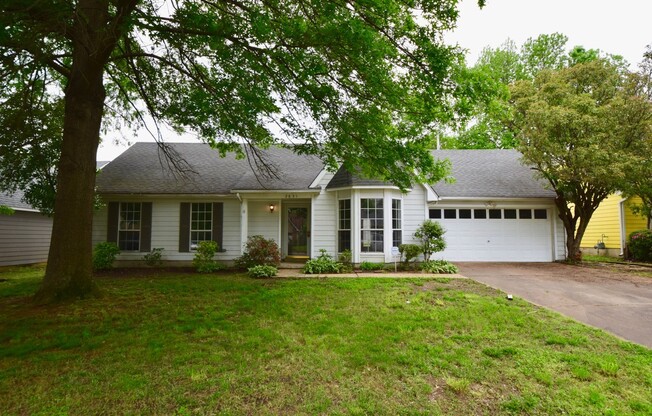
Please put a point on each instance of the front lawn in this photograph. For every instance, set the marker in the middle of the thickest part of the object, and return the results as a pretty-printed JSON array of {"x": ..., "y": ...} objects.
[{"x": 197, "y": 344}]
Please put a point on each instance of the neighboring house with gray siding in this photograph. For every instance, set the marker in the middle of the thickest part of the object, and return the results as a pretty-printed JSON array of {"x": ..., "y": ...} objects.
[
  {"x": 24, "y": 235},
  {"x": 495, "y": 211}
]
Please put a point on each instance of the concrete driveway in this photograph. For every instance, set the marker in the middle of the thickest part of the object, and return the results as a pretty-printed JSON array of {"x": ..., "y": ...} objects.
[{"x": 617, "y": 301}]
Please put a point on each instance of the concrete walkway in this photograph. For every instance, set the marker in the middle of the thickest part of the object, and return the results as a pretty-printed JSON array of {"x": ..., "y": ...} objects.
[{"x": 618, "y": 302}]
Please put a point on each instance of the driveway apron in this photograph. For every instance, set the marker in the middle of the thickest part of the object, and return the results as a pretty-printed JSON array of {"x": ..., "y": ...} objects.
[{"x": 618, "y": 302}]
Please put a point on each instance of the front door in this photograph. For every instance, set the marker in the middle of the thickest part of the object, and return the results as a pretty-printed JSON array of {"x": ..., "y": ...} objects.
[{"x": 298, "y": 231}]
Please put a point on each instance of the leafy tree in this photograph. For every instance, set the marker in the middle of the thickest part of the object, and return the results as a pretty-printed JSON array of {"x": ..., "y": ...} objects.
[
  {"x": 580, "y": 55},
  {"x": 5, "y": 210},
  {"x": 483, "y": 105},
  {"x": 638, "y": 170},
  {"x": 544, "y": 52},
  {"x": 489, "y": 126},
  {"x": 355, "y": 82},
  {"x": 30, "y": 145},
  {"x": 580, "y": 127}
]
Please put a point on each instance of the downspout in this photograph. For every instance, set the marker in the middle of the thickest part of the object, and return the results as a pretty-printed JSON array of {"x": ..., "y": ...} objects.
[
  {"x": 237, "y": 194},
  {"x": 623, "y": 238}
]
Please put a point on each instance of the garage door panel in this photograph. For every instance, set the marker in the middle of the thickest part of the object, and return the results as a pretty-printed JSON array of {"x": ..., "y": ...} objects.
[{"x": 497, "y": 239}]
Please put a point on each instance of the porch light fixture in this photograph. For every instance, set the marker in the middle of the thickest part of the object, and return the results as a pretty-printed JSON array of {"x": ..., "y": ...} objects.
[{"x": 271, "y": 208}]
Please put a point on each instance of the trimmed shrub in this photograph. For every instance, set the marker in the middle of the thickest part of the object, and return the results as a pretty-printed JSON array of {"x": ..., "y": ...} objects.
[
  {"x": 203, "y": 261},
  {"x": 154, "y": 258},
  {"x": 409, "y": 252},
  {"x": 346, "y": 258},
  {"x": 640, "y": 245},
  {"x": 322, "y": 264},
  {"x": 439, "y": 267},
  {"x": 431, "y": 235},
  {"x": 262, "y": 272},
  {"x": 104, "y": 255},
  {"x": 259, "y": 251},
  {"x": 369, "y": 266}
]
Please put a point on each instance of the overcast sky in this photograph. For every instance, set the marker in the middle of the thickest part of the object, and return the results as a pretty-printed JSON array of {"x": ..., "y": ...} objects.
[{"x": 616, "y": 27}]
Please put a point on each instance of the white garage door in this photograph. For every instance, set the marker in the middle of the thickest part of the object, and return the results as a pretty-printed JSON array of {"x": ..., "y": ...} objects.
[{"x": 495, "y": 234}]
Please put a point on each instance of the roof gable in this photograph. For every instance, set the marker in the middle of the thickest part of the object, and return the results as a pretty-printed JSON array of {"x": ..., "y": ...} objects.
[{"x": 345, "y": 179}]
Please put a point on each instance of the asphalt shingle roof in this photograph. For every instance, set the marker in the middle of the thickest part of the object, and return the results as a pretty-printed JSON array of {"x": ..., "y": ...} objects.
[
  {"x": 343, "y": 179},
  {"x": 142, "y": 169},
  {"x": 489, "y": 174},
  {"x": 14, "y": 200}
]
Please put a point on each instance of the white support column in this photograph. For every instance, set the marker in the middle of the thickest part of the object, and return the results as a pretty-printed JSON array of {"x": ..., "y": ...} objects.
[
  {"x": 279, "y": 208},
  {"x": 355, "y": 225},
  {"x": 244, "y": 223},
  {"x": 387, "y": 225}
]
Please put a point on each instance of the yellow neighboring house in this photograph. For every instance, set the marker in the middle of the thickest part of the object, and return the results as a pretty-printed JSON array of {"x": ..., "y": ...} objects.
[{"x": 611, "y": 223}]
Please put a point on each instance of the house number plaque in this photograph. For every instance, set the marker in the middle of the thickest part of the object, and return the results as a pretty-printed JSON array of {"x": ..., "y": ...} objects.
[{"x": 291, "y": 196}]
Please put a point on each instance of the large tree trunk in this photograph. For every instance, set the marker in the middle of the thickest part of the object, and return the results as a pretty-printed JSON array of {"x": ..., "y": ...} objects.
[
  {"x": 574, "y": 226},
  {"x": 69, "y": 272}
]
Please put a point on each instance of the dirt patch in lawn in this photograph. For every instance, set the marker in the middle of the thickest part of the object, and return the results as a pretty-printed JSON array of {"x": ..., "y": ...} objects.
[{"x": 633, "y": 273}]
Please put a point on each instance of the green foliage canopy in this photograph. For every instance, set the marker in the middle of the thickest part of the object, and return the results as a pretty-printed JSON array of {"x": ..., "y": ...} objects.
[
  {"x": 351, "y": 82},
  {"x": 580, "y": 127},
  {"x": 358, "y": 83},
  {"x": 490, "y": 124},
  {"x": 638, "y": 171}
]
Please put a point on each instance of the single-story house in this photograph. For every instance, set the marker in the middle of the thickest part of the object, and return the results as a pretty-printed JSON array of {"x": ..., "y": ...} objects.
[
  {"x": 495, "y": 211},
  {"x": 25, "y": 234},
  {"x": 611, "y": 224}
]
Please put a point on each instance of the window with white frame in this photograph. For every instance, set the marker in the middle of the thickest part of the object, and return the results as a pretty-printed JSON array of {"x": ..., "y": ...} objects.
[
  {"x": 129, "y": 226},
  {"x": 344, "y": 225},
  {"x": 397, "y": 228},
  {"x": 201, "y": 223},
  {"x": 371, "y": 216}
]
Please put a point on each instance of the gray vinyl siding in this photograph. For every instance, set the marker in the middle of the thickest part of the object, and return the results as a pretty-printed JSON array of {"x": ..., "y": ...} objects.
[{"x": 24, "y": 238}]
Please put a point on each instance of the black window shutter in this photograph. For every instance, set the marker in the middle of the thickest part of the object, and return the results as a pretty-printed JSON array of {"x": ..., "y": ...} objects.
[
  {"x": 184, "y": 228},
  {"x": 146, "y": 227},
  {"x": 112, "y": 222},
  {"x": 218, "y": 224}
]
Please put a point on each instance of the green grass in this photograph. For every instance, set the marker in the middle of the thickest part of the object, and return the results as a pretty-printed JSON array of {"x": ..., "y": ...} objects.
[
  {"x": 200, "y": 344},
  {"x": 592, "y": 258}
]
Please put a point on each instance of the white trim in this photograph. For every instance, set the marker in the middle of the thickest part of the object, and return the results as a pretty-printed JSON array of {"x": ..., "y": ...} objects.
[
  {"x": 338, "y": 222},
  {"x": 24, "y": 209},
  {"x": 318, "y": 179},
  {"x": 276, "y": 191},
  {"x": 355, "y": 225},
  {"x": 431, "y": 194},
  {"x": 383, "y": 187},
  {"x": 489, "y": 198},
  {"x": 185, "y": 197},
  {"x": 623, "y": 230},
  {"x": 280, "y": 207},
  {"x": 244, "y": 224}
]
